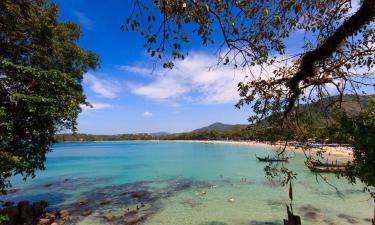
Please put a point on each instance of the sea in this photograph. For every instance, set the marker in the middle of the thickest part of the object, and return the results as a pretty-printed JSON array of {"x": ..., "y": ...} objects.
[{"x": 182, "y": 183}]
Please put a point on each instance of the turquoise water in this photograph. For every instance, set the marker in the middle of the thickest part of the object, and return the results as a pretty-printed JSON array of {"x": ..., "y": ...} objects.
[{"x": 184, "y": 183}]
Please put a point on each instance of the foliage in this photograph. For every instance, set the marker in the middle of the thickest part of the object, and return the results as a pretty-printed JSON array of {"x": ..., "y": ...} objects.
[
  {"x": 94, "y": 137},
  {"x": 337, "y": 52},
  {"x": 360, "y": 132},
  {"x": 41, "y": 70},
  {"x": 3, "y": 218}
]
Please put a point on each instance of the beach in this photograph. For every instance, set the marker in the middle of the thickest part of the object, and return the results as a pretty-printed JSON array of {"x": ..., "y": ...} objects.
[{"x": 328, "y": 151}]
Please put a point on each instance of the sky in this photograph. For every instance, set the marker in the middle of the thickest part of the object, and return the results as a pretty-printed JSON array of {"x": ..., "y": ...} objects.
[{"x": 130, "y": 95}]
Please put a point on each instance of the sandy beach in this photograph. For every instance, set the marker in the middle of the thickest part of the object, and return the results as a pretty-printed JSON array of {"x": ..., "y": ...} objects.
[{"x": 336, "y": 152}]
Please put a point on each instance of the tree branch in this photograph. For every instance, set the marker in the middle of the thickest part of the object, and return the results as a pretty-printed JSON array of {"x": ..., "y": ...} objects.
[{"x": 363, "y": 16}]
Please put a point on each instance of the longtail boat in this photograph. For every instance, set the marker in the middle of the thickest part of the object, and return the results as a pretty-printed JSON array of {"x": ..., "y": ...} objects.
[
  {"x": 330, "y": 164},
  {"x": 269, "y": 159},
  {"x": 326, "y": 170}
]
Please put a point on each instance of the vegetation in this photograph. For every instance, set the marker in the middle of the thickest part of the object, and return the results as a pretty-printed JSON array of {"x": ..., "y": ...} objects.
[
  {"x": 337, "y": 51},
  {"x": 360, "y": 132},
  {"x": 93, "y": 137},
  {"x": 41, "y": 70},
  {"x": 320, "y": 130}
]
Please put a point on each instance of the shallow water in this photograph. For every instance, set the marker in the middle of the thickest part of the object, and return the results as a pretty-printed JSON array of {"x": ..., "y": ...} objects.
[{"x": 184, "y": 183}]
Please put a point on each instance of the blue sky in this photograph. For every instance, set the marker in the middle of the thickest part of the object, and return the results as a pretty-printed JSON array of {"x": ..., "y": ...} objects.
[{"x": 129, "y": 98}]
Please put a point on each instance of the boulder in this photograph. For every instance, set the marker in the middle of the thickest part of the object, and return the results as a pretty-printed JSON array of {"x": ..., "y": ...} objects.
[
  {"x": 44, "y": 221},
  {"x": 137, "y": 194},
  {"x": 105, "y": 202},
  {"x": 82, "y": 202},
  {"x": 86, "y": 212},
  {"x": 26, "y": 214},
  {"x": 131, "y": 212},
  {"x": 64, "y": 214},
  {"x": 38, "y": 208},
  {"x": 135, "y": 221},
  {"x": 110, "y": 218}
]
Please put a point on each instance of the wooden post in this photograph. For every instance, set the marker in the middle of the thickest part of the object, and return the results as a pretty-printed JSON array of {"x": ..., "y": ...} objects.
[{"x": 292, "y": 219}]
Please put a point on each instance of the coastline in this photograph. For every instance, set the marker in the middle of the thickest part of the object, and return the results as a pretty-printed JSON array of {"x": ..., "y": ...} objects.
[
  {"x": 338, "y": 152},
  {"x": 342, "y": 153}
]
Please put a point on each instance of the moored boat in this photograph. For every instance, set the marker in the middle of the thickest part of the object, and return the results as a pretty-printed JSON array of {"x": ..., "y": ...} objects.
[
  {"x": 326, "y": 169},
  {"x": 269, "y": 159},
  {"x": 330, "y": 164}
]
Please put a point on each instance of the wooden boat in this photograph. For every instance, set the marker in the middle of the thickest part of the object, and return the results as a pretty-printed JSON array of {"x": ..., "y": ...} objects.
[
  {"x": 269, "y": 159},
  {"x": 329, "y": 164},
  {"x": 326, "y": 170}
]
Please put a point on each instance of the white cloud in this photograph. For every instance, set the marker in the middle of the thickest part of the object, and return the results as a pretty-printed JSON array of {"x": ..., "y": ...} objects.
[
  {"x": 136, "y": 70},
  {"x": 147, "y": 114},
  {"x": 104, "y": 88},
  {"x": 96, "y": 106},
  {"x": 197, "y": 78},
  {"x": 162, "y": 88},
  {"x": 83, "y": 19}
]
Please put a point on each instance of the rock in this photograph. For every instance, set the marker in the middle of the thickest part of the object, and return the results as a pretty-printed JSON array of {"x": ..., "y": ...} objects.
[
  {"x": 311, "y": 215},
  {"x": 231, "y": 200},
  {"x": 51, "y": 216},
  {"x": 105, "y": 202},
  {"x": 12, "y": 191},
  {"x": 109, "y": 218},
  {"x": 12, "y": 213},
  {"x": 348, "y": 218},
  {"x": 26, "y": 214},
  {"x": 44, "y": 221},
  {"x": 64, "y": 214},
  {"x": 82, "y": 202},
  {"x": 38, "y": 208},
  {"x": 137, "y": 194},
  {"x": 86, "y": 212},
  {"x": 47, "y": 185},
  {"x": 7, "y": 204},
  {"x": 131, "y": 212},
  {"x": 135, "y": 221},
  {"x": 54, "y": 224},
  {"x": 23, "y": 212}
]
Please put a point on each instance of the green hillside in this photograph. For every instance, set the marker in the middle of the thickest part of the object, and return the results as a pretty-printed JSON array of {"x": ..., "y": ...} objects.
[{"x": 318, "y": 113}]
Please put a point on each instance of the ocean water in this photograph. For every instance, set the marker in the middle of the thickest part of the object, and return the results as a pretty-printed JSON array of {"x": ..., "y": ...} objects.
[{"x": 177, "y": 183}]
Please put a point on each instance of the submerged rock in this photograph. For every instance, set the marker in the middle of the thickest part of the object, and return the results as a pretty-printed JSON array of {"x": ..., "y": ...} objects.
[
  {"x": 105, "y": 202},
  {"x": 86, "y": 212},
  {"x": 82, "y": 202},
  {"x": 136, "y": 221},
  {"x": 131, "y": 212},
  {"x": 137, "y": 194},
  {"x": 348, "y": 218},
  {"x": 110, "y": 218}
]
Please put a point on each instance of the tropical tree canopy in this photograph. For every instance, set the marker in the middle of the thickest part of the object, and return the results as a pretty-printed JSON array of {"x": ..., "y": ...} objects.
[
  {"x": 335, "y": 56},
  {"x": 41, "y": 69}
]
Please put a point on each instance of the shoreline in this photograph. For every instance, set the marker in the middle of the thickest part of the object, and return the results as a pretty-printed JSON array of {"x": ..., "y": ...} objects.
[{"x": 339, "y": 152}]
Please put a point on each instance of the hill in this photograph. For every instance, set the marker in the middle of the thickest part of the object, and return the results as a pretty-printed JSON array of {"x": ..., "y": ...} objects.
[
  {"x": 221, "y": 127},
  {"x": 318, "y": 112}
]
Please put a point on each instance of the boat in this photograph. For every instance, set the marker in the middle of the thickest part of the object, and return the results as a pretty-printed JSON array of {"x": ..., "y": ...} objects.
[
  {"x": 326, "y": 169},
  {"x": 269, "y": 159},
  {"x": 330, "y": 164}
]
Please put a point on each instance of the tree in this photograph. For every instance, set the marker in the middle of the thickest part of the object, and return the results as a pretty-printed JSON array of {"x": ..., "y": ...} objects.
[
  {"x": 41, "y": 69},
  {"x": 336, "y": 54}
]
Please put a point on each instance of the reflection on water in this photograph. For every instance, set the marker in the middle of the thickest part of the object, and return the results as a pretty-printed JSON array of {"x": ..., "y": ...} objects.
[{"x": 182, "y": 183}]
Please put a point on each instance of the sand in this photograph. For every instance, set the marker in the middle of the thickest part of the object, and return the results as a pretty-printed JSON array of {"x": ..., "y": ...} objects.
[{"x": 338, "y": 152}]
